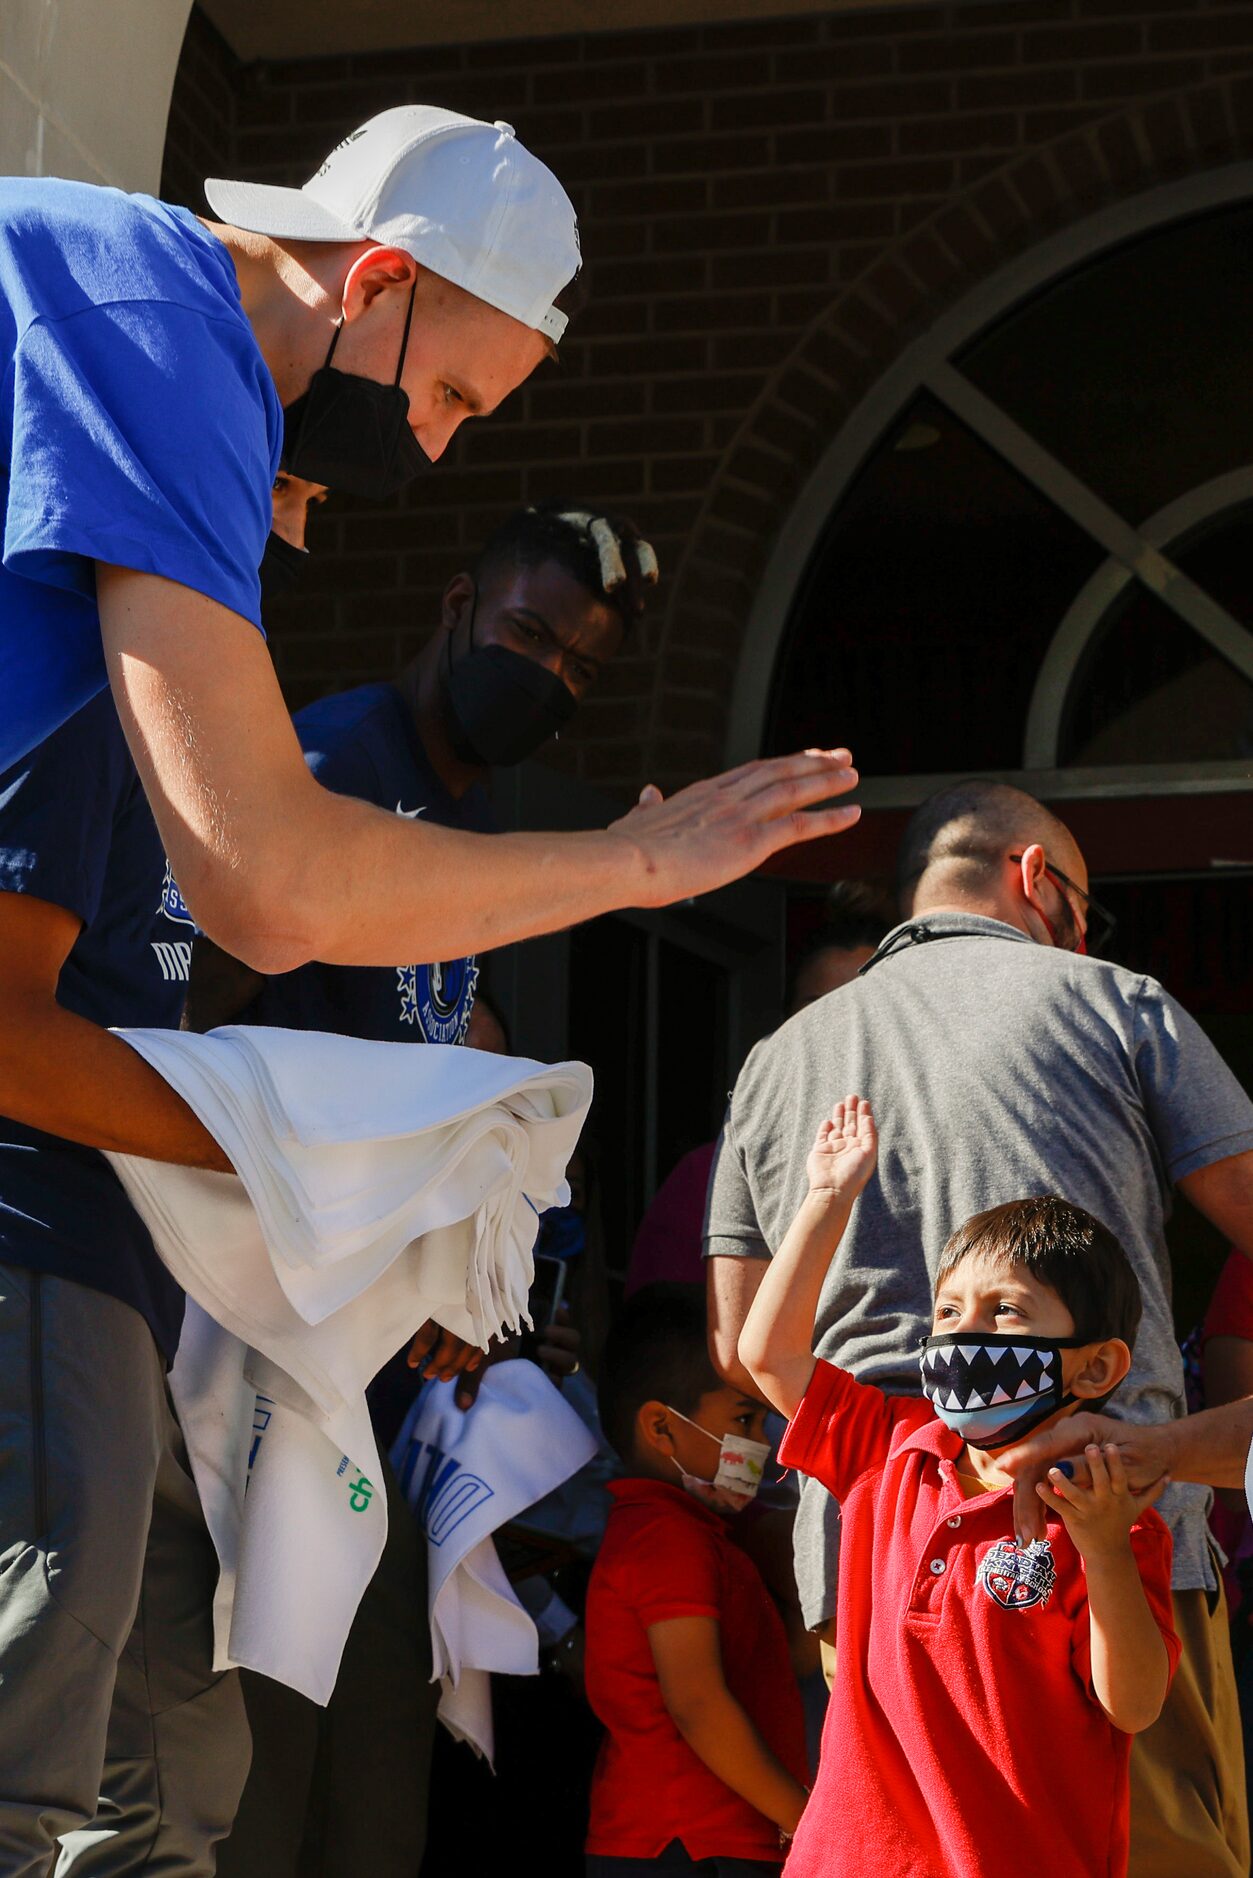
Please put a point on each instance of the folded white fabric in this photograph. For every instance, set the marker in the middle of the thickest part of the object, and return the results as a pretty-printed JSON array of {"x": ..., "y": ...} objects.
[
  {"x": 340, "y": 1144},
  {"x": 466, "y": 1475},
  {"x": 379, "y": 1185}
]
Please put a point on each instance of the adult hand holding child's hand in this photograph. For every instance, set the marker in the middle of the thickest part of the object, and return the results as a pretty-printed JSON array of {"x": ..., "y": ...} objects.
[{"x": 1143, "y": 1450}]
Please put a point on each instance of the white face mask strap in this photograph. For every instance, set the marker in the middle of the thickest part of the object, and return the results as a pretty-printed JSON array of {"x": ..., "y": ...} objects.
[{"x": 691, "y": 1424}]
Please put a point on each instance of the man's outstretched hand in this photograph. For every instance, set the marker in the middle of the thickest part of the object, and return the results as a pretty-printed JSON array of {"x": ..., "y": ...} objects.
[
  {"x": 1145, "y": 1451},
  {"x": 715, "y": 831}
]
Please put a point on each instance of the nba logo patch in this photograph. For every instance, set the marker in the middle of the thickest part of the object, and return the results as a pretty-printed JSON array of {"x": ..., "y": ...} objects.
[{"x": 1017, "y": 1578}]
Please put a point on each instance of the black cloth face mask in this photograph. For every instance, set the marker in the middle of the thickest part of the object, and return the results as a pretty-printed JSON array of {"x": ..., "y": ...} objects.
[
  {"x": 499, "y": 706},
  {"x": 352, "y": 433},
  {"x": 281, "y": 565}
]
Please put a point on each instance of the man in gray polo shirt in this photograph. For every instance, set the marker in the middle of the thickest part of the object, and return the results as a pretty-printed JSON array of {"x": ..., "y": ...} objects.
[{"x": 1002, "y": 1063}]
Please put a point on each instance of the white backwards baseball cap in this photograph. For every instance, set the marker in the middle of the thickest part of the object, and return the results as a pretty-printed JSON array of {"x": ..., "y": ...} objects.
[{"x": 464, "y": 198}]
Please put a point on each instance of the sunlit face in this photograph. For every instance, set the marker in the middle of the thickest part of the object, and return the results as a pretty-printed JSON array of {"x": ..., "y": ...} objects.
[
  {"x": 985, "y": 1294},
  {"x": 461, "y": 360}
]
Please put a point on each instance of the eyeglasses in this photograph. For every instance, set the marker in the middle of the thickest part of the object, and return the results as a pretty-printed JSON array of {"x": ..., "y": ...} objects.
[{"x": 1099, "y": 921}]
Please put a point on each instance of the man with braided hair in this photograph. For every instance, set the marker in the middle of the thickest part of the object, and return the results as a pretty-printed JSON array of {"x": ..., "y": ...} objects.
[{"x": 524, "y": 636}]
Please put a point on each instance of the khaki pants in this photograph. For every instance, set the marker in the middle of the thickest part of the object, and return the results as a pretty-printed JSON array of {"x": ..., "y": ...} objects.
[{"x": 1189, "y": 1817}]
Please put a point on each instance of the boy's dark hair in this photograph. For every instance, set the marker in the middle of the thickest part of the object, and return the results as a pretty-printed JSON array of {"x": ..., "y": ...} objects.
[
  {"x": 1064, "y": 1248},
  {"x": 604, "y": 552},
  {"x": 657, "y": 1349}
]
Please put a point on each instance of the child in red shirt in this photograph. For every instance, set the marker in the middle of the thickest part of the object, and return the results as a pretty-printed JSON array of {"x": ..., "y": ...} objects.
[
  {"x": 985, "y": 1693},
  {"x": 703, "y": 1763}
]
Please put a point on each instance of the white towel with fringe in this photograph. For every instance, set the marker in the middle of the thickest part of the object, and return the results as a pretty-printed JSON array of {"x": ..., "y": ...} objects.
[{"x": 378, "y": 1185}]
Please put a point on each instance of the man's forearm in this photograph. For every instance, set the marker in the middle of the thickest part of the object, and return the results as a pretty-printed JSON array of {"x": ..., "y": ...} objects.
[
  {"x": 410, "y": 890},
  {"x": 70, "y": 1078},
  {"x": 278, "y": 871},
  {"x": 1211, "y": 1448},
  {"x": 730, "y": 1287}
]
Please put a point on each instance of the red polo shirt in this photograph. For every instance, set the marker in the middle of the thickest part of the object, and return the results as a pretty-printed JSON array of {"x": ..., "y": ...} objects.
[
  {"x": 665, "y": 1555},
  {"x": 963, "y": 1738}
]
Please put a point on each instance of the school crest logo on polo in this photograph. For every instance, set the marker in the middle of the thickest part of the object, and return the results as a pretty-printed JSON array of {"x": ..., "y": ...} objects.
[
  {"x": 1018, "y": 1577},
  {"x": 437, "y": 999}
]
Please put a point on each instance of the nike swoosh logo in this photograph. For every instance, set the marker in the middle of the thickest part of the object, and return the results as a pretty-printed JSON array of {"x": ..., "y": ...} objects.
[{"x": 409, "y": 814}]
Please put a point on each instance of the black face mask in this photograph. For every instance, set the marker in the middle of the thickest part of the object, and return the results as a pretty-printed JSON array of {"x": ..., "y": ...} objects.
[
  {"x": 281, "y": 564},
  {"x": 499, "y": 706},
  {"x": 352, "y": 433}
]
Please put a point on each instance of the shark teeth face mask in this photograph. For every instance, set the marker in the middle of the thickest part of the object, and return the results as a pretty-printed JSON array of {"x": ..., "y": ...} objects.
[{"x": 994, "y": 1389}]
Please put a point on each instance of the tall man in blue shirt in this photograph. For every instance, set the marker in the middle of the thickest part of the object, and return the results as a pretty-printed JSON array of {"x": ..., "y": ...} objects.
[
  {"x": 106, "y": 1571},
  {"x": 148, "y": 363}
]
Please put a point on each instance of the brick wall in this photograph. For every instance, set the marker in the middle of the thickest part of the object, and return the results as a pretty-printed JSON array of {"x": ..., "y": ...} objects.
[{"x": 770, "y": 210}]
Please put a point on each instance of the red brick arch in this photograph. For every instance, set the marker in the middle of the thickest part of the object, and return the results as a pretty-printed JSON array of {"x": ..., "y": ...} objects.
[{"x": 846, "y": 348}]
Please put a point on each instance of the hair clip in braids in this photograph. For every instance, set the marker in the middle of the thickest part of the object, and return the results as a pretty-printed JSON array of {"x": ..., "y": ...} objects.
[{"x": 608, "y": 540}]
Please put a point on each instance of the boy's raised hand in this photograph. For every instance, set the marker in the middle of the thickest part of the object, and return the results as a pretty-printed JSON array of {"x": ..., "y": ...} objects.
[
  {"x": 777, "y": 1341},
  {"x": 843, "y": 1156},
  {"x": 1099, "y": 1516}
]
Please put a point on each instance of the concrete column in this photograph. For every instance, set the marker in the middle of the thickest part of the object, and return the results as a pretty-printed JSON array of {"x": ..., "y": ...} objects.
[{"x": 85, "y": 87}]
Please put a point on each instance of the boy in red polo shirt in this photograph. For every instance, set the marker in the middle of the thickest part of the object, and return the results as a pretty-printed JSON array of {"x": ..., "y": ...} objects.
[
  {"x": 703, "y": 1762},
  {"x": 985, "y": 1693}
]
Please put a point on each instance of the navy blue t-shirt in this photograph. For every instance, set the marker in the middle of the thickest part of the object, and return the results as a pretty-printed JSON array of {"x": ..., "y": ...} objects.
[
  {"x": 139, "y": 426},
  {"x": 364, "y": 743},
  {"x": 76, "y": 830}
]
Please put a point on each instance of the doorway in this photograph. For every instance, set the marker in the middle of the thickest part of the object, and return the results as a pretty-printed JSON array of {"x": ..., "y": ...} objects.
[{"x": 664, "y": 1005}]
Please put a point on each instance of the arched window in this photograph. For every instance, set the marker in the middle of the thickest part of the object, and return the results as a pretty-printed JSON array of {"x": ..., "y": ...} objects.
[{"x": 1031, "y": 550}]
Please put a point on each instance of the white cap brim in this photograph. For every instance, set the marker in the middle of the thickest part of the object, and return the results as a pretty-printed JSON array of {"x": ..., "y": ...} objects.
[{"x": 268, "y": 209}]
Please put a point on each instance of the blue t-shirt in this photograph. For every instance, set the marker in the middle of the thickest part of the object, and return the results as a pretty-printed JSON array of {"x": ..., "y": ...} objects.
[
  {"x": 76, "y": 830},
  {"x": 139, "y": 426},
  {"x": 364, "y": 743}
]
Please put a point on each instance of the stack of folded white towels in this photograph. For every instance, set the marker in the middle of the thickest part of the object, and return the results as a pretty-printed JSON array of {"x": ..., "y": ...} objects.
[{"x": 379, "y": 1185}]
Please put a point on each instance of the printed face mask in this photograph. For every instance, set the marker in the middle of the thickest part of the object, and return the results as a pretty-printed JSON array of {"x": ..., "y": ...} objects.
[
  {"x": 741, "y": 1468},
  {"x": 352, "y": 433},
  {"x": 994, "y": 1389}
]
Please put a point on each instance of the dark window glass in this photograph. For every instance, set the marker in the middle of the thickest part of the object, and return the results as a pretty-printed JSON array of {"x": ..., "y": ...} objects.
[
  {"x": 608, "y": 970},
  {"x": 925, "y": 612},
  {"x": 1151, "y": 690},
  {"x": 1134, "y": 370}
]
